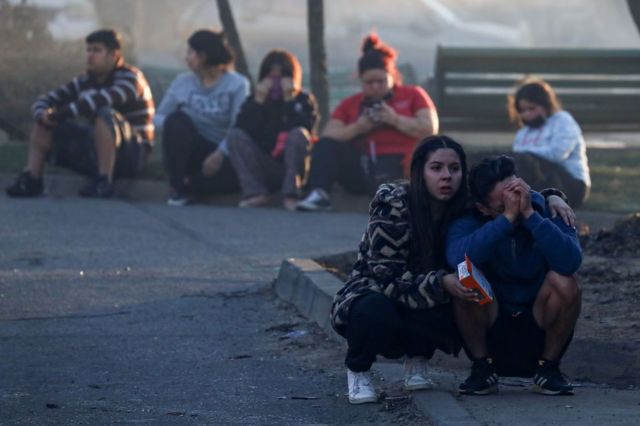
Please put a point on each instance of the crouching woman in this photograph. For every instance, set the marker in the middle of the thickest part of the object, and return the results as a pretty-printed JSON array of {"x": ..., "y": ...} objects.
[{"x": 397, "y": 300}]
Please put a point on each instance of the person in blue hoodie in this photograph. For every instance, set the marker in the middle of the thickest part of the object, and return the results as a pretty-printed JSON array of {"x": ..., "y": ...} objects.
[{"x": 530, "y": 259}]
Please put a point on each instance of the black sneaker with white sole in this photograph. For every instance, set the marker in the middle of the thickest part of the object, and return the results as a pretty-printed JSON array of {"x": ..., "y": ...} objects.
[
  {"x": 549, "y": 380},
  {"x": 483, "y": 379},
  {"x": 25, "y": 185},
  {"x": 100, "y": 187},
  {"x": 178, "y": 199}
]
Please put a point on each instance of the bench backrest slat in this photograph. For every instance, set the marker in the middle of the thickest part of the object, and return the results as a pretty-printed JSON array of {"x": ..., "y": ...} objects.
[{"x": 601, "y": 88}]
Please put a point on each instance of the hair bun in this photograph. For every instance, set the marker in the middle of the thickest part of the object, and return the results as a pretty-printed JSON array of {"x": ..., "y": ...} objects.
[{"x": 370, "y": 42}]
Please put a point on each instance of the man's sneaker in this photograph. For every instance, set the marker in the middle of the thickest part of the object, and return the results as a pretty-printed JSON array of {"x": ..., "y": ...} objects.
[
  {"x": 483, "y": 379},
  {"x": 415, "y": 374},
  {"x": 317, "y": 200},
  {"x": 361, "y": 390},
  {"x": 178, "y": 199},
  {"x": 548, "y": 379},
  {"x": 25, "y": 185},
  {"x": 98, "y": 188}
]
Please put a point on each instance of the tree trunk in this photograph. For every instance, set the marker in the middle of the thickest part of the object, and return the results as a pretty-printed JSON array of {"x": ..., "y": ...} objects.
[
  {"x": 634, "y": 8},
  {"x": 230, "y": 31},
  {"x": 318, "y": 57}
]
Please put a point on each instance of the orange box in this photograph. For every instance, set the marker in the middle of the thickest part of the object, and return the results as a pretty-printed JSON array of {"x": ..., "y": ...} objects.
[{"x": 473, "y": 278}]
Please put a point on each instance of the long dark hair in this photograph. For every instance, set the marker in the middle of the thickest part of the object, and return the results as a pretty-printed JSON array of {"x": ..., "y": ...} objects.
[
  {"x": 288, "y": 63},
  {"x": 536, "y": 91},
  {"x": 428, "y": 235}
]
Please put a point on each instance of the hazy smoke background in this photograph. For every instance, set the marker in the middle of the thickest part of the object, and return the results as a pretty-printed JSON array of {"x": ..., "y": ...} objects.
[{"x": 157, "y": 29}]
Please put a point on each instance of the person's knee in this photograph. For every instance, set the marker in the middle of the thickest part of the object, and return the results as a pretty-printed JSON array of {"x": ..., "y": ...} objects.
[
  {"x": 105, "y": 116},
  {"x": 176, "y": 127},
  {"x": 468, "y": 313},
  {"x": 376, "y": 314},
  {"x": 298, "y": 137},
  {"x": 326, "y": 142},
  {"x": 176, "y": 121},
  {"x": 564, "y": 286},
  {"x": 467, "y": 306}
]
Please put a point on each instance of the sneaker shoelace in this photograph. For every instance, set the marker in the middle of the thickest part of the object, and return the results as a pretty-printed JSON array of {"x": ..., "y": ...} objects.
[{"x": 360, "y": 381}]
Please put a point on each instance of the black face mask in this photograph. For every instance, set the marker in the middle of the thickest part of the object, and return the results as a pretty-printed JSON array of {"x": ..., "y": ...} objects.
[{"x": 536, "y": 122}]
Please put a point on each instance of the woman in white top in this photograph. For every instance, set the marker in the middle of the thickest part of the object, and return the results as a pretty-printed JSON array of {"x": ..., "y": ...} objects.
[{"x": 548, "y": 148}]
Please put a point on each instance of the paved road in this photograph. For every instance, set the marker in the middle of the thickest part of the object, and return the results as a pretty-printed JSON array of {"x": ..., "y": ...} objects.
[
  {"x": 112, "y": 312},
  {"x": 118, "y": 312}
]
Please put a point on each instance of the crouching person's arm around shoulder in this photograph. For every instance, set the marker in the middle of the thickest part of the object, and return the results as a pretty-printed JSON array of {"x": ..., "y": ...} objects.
[{"x": 557, "y": 241}]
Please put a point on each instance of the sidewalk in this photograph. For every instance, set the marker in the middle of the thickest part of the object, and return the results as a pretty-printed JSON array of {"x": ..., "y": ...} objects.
[
  {"x": 114, "y": 312},
  {"x": 153, "y": 191},
  {"x": 238, "y": 238},
  {"x": 310, "y": 288}
]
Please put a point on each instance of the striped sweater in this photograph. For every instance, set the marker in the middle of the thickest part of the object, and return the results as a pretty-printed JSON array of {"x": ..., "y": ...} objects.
[{"x": 126, "y": 90}]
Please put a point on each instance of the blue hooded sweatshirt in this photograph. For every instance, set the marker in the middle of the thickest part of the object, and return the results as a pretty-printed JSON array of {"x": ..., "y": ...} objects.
[{"x": 515, "y": 258}]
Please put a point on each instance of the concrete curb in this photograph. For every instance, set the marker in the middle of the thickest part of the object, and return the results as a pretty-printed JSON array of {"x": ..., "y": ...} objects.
[
  {"x": 62, "y": 185},
  {"x": 306, "y": 285}
]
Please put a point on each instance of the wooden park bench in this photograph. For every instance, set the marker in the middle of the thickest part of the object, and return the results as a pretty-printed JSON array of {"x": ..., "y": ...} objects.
[{"x": 599, "y": 87}]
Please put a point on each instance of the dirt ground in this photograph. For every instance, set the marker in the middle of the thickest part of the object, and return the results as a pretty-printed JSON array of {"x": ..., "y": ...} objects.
[{"x": 606, "y": 345}]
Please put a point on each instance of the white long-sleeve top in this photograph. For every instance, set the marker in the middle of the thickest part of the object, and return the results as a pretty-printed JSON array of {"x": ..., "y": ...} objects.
[{"x": 559, "y": 140}]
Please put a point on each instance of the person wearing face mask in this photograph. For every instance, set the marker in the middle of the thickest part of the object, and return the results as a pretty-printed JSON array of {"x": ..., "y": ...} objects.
[
  {"x": 549, "y": 149},
  {"x": 371, "y": 135},
  {"x": 270, "y": 142}
]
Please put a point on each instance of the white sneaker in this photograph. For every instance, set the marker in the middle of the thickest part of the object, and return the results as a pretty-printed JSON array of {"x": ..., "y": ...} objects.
[
  {"x": 361, "y": 390},
  {"x": 415, "y": 374},
  {"x": 317, "y": 200},
  {"x": 178, "y": 199}
]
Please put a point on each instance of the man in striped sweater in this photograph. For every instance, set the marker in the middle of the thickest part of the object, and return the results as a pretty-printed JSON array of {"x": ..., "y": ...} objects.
[{"x": 99, "y": 124}]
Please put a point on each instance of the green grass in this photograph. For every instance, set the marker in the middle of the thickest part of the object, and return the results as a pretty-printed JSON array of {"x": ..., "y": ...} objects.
[
  {"x": 615, "y": 173},
  {"x": 615, "y": 181},
  {"x": 615, "y": 178}
]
